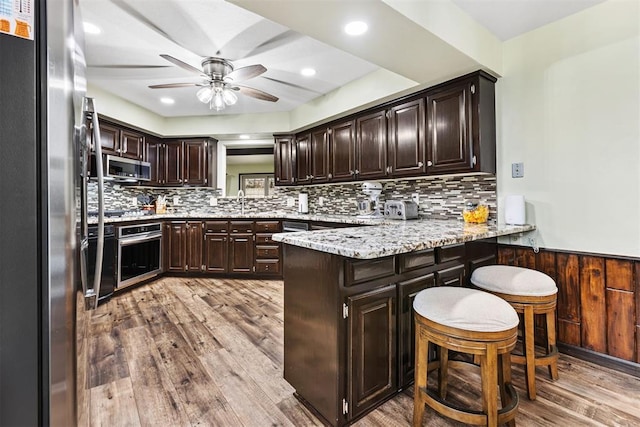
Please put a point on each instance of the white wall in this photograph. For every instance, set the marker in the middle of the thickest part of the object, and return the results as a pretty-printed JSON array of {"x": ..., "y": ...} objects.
[{"x": 569, "y": 108}]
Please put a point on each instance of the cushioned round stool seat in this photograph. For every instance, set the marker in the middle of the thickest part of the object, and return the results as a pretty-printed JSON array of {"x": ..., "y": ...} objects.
[
  {"x": 530, "y": 293},
  {"x": 467, "y": 309},
  {"x": 506, "y": 279},
  {"x": 466, "y": 321}
]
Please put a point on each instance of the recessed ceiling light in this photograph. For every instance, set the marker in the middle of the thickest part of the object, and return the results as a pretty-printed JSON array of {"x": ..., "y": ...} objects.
[
  {"x": 308, "y": 72},
  {"x": 356, "y": 28},
  {"x": 90, "y": 28},
  {"x": 244, "y": 136},
  {"x": 168, "y": 101}
]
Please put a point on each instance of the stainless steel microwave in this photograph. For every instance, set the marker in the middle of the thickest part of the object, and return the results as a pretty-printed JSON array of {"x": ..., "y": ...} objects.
[{"x": 123, "y": 169}]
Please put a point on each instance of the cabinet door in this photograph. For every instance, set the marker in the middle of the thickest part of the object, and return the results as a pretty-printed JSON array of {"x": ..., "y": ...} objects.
[
  {"x": 283, "y": 160},
  {"x": 406, "y": 139},
  {"x": 194, "y": 246},
  {"x": 157, "y": 156},
  {"x": 176, "y": 246},
  {"x": 371, "y": 144},
  {"x": 303, "y": 159},
  {"x": 131, "y": 144},
  {"x": 343, "y": 151},
  {"x": 173, "y": 166},
  {"x": 215, "y": 253},
  {"x": 407, "y": 292},
  {"x": 372, "y": 371},
  {"x": 319, "y": 153},
  {"x": 109, "y": 138},
  {"x": 449, "y": 122},
  {"x": 452, "y": 276},
  {"x": 241, "y": 253},
  {"x": 195, "y": 162}
]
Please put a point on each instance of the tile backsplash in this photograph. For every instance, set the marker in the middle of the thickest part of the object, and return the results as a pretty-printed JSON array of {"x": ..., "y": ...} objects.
[{"x": 440, "y": 197}]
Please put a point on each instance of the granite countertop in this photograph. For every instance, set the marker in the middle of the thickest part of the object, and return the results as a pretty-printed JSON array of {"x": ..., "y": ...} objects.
[{"x": 396, "y": 237}]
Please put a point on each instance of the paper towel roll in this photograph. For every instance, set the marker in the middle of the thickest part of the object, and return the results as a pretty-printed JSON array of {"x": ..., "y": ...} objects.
[
  {"x": 514, "y": 210},
  {"x": 303, "y": 203}
]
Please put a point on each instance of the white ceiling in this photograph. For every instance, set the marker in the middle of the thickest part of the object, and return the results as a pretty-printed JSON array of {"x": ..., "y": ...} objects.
[{"x": 125, "y": 58}]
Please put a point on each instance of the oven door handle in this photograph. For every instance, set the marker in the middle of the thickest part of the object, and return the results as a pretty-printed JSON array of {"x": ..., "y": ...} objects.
[{"x": 139, "y": 239}]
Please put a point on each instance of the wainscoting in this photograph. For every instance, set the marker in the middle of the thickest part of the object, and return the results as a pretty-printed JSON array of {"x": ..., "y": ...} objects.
[{"x": 598, "y": 302}]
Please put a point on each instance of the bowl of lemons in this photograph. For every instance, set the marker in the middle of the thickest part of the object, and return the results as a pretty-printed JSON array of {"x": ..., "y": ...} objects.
[{"x": 475, "y": 213}]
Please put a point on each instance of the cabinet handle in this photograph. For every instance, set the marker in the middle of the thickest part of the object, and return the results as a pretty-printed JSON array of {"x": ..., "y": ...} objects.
[
  {"x": 420, "y": 164},
  {"x": 429, "y": 163},
  {"x": 352, "y": 173},
  {"x": 388, "y": 169},
  {"x": 311, "y": 176},
  {"x": 186, "y": 180},
  {"x": 330, "y": 176},
  {"x": 474, "y": 160},
  {"x": 277, "y": 178},
  {"x": 473, "y": 88},
  {"x": 357, "y": 172}
]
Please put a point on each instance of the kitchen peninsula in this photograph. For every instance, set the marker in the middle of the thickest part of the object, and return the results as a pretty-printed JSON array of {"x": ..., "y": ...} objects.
[{"x": 348, "y": 295}]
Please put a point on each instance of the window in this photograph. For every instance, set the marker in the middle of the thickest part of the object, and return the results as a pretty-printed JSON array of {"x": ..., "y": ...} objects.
[{"x": 257, "y": 184}]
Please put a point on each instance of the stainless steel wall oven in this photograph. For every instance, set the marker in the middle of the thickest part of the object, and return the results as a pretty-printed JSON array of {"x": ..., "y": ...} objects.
[{"x": 139, "y": 253}]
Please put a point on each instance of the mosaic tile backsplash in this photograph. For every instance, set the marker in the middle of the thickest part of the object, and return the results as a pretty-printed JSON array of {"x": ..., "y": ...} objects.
[{"x": 440, "y": 197}]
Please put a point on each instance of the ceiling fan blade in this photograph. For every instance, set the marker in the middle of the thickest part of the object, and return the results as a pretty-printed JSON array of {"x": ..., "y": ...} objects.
[
  {"x": 255, "y": 93},
  {"x": 172, "y": 85},
  {"x": 245, "y": 73},
  {"x": 128, "y": 66},
  {"x": 292, "y": 85},
  {"x": 182, "y": 64}
]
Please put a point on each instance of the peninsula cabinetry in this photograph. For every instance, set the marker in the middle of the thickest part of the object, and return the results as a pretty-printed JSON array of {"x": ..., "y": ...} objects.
[{"x": 359, "y": 312}]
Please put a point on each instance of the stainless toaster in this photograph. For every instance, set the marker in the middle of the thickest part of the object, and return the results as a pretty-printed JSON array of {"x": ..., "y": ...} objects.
[{"x": 396, "y": 209}]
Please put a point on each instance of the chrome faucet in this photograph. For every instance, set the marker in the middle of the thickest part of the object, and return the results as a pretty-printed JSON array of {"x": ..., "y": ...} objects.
[{"x": 241, "y": 198}]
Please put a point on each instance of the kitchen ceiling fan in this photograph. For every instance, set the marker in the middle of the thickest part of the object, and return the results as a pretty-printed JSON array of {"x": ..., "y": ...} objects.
[{"x": 221, "y": 81}]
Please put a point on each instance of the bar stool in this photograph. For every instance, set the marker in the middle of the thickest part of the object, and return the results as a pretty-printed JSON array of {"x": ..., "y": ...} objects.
[
  {"x": 529, "y": 292},
  {"x": 473, "y": 322}
]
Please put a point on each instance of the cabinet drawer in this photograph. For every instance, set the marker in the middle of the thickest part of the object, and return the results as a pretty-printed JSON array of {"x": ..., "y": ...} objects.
[
  {"x": 268, "y": 266},
  {"x": 415, "y": 260},
  {"x": 359, "y": 271},
  {"x": 216, "y": 226},
  {"x": 449, "y": 253},
  {"x": 262, "y": 238},
  {"x": 267, "y": 251},
  {"x": 267, "y": 226},
  {"x": 453, "y": 276},
  {"x": 241, "y": 226}
]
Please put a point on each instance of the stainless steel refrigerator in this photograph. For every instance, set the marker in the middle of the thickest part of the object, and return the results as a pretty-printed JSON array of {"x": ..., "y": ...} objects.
[{"x": 41, "y": 88}]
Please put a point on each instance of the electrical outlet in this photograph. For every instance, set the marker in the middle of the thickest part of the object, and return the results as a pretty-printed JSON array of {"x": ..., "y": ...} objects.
[
  {"x": 291, "y": 202},
  {"x": 416, "y": 198},
  {"x": 517, "y": 170},
  {"x": 213, "y": 201},
  {"x": 321, "y": 201}
]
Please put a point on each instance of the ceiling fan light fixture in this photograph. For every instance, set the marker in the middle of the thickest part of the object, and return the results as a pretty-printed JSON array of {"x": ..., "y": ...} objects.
[
  {"x": 229, "y": 97},
  {"x": 205, "y": 94},
  {"x": 218, "y": 101}
]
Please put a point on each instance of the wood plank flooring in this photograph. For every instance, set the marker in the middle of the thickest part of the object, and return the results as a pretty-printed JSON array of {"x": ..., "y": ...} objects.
[{"x": 209, "y": 352}]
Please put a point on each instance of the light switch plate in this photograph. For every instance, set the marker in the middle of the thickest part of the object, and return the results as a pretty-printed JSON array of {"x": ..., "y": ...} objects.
[
  {"x": 416, "y": 198},
  {"x": 213, "y": 201},
  {"x": 320, "y": 201},
  {"x": 290, "y": 201},
  {"x": 517, "y": 170},
  {"x": 134, "y": 202}
]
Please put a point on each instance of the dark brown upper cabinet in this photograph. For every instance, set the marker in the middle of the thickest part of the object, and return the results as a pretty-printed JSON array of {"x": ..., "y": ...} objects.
[
  {"x": 343, "y": 151},
  {"x": 319, "y": 154},
  {"x": 157, "y": 157},
  {"x": 116, "y": 140},
  {"x": 284, "y": 160},
  {"x": 406, "y": 139},
  {"x": 371, "y": 146},
  {"x": 173, "y": 168},
  {"x": 179, "y": 163},
  {"x": 303, "y": 159},
  {"x": 195, "y": 162},
  {"x": 461, "y": 126}
]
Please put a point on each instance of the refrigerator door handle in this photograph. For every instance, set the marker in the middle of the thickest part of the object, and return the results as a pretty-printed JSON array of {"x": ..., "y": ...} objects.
[{"x": 92, "y": 292}]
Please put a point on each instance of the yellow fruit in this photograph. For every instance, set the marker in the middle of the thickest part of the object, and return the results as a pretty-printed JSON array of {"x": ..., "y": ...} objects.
[{"x": 478, "y": 215}]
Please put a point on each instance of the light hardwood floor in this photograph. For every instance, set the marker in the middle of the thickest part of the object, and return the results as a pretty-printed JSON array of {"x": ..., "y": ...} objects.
[{"x": 208, "y": 352}]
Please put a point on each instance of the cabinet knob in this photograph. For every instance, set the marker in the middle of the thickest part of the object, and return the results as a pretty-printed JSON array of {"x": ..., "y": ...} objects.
[
  {"x": 474, "y": 160},
  {"x": 330, "y": 176},
  {"x": 388, "y": 169},
  {"x": 357, "y": 172},
  {"x": 429, "y": 163},
  {"x": 420, "y": 164},
  {"x": 277, "y": 178},
  {"x": 311, "y": 176},
  {"x": 352, "y": 173}
]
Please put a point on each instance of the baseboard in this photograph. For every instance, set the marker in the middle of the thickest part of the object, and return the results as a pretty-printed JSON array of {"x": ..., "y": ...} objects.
[{"x": 600, "y": 359}]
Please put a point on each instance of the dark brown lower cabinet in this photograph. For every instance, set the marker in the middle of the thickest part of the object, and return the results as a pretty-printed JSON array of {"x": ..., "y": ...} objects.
[
  {"x": 194, "y": 246},
  {"x": 215, "y": 253},
  {"x": 175, "y": 243},
  {"x": 407, "y": 291},
  {"x": 241, "y": 253},
  {"x": 452, "y": 276},
  {"x": 372, "y": 348}
]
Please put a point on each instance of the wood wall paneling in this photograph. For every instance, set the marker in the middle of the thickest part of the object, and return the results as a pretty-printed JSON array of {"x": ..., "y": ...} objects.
[
  {"x": 506, "y": 255},
  {"x": 526, "y": 258},
  {"x": 619, "y": 274},
  {"x": 567, "y": 280},
  {"x": 621, "y": 324},
  {"x": 593, "y": 309}
]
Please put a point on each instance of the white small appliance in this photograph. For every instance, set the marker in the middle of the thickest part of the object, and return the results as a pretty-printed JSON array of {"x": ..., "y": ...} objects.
[
  {"x": 514, "y": 210},
  {"x": 303, "y": 203},
  {"x": 398, "y": 209},
  {"x": 373, "y": 189}
]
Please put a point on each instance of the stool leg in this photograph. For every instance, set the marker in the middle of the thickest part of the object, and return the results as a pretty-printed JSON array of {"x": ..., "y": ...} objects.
[
  {"x": 443, "y": 371},
  {"x": 489, "y": 373},
  {"x": 420, "y": 377},
  {"x": 504, "y": 378},
  {"x": 529, "y": 351},
  {"x": 551, "y": 343}
]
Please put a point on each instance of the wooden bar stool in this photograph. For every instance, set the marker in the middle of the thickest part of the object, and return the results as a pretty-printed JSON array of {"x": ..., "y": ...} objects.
[
  {"x": 473, "y": 322},
  {"x": 529, "y": 292}
]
